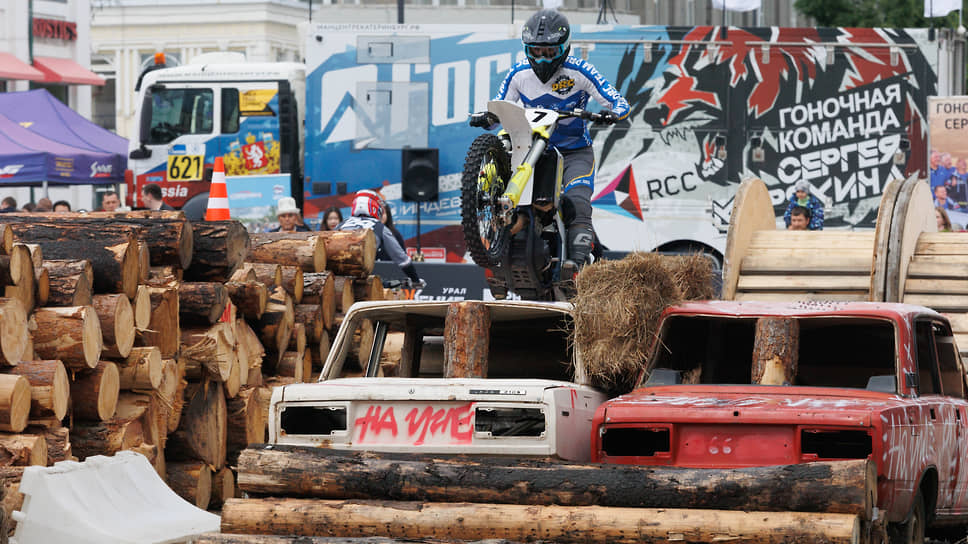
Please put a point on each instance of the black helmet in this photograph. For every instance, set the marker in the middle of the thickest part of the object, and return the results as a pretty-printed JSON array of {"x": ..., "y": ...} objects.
[{"x": 546, "y": 38}]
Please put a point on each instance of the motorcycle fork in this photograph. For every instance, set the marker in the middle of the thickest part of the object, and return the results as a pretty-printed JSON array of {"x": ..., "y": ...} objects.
[{"x": 522, "y": 174}]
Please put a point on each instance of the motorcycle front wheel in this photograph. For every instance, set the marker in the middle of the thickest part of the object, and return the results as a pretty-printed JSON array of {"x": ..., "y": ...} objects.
[{"x": 487, "y": 170}]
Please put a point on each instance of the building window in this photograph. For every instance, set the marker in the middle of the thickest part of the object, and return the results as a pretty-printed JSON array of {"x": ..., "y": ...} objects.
[{"x": 103, "y": 99}]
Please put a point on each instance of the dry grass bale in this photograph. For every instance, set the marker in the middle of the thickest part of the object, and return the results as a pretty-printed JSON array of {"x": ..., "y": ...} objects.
[
  {"x": 695, "y": 275},
  {"x": 618, "y": 305}
]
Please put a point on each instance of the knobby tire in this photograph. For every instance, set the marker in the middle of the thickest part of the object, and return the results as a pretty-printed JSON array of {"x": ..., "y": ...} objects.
[{"x": 485, "y": 148}]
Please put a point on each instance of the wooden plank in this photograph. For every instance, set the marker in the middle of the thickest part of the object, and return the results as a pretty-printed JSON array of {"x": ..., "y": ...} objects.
[
  {"x": 935, "y": 286},
  {"x": 920, "y": 268},
  {"x": 913, "y": 215},
  {"x": 752, "y": 212},
  {"x": 813, "y": 239},
  {"x": 938, "y": 248},
  {"x": 945, "y": 303},
  {"x": 843, "y": 282},
  {"x": 798, "y": 263},
  {"x": 961, "y": 340},
  {"x": 882, "y": 235},
  {"x": 943, "y": 237},
  {"x": 793, "y": 296},
  {"x": 959, "y": 323},
  {"x": 955, "y": 259}
]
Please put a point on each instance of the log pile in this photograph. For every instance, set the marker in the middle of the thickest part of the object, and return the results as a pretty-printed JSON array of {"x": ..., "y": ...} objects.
[{"x": 142, "y": 331}]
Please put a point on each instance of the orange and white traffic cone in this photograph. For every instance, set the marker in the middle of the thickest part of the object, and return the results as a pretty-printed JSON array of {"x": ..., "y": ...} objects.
[{"x": 218, "y": 194}]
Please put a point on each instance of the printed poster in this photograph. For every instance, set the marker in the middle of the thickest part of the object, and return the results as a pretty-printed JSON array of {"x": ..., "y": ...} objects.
[{"x": 252, "y": 199}]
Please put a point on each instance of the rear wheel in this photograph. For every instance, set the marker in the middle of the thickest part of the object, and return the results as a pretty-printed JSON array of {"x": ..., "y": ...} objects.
[
  {"x": 913, "y": 530},
  {"x": 487, "y": 169}
]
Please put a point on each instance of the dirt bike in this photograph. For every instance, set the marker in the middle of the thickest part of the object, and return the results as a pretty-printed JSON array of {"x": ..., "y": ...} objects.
[{"x": 511, "y": 220}]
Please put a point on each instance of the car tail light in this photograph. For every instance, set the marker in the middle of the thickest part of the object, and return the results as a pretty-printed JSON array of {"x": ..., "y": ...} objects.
[
  {"x": 503, "y": 422},
  {"x": 635, "y": 441},
  {"x": 836, "y": 444},
  {"x": 312, "y": 420}
]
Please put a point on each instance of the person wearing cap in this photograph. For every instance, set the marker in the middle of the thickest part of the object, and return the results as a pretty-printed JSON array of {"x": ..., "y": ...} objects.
[
  {"x": 289, "y": 216},
  {"x": 367, "y": 212},
  {"x": 802, "y": 197}
]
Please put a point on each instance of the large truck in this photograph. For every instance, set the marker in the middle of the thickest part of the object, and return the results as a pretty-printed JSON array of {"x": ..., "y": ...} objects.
[{"x": 844, "y": 109}]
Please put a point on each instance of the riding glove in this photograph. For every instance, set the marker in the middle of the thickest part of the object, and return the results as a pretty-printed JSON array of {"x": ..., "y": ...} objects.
[
  {"x": 483, "y": 119},
  {"x": 609, "y": 117}
]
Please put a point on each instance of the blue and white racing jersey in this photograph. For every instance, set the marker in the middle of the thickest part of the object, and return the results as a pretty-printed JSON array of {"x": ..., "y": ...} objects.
[{"x": 569, "y": 88}]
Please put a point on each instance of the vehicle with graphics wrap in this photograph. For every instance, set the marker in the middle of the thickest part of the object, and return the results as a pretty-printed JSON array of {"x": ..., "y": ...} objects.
[
  {"x": 535, "y": 399},
  {"x": 749, "y": 384},
  {"x": 843, "y": 109}
]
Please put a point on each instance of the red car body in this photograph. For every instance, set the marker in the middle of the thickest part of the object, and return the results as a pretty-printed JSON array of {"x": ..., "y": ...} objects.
[{"x": 917, "y": 435}]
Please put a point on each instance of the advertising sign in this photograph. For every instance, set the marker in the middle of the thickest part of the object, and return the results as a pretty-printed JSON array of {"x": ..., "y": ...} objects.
[
  {"x": 252, "y": 199},
  {"x": 948, "y": 161}
]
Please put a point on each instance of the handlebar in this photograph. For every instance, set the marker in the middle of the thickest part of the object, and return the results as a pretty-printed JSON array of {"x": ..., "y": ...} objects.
[{"x": 581, "y": 114}]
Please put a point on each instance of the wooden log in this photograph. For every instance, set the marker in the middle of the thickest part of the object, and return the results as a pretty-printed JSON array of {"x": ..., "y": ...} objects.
[
  {"x": 192, "y": 481},
  {"x": 201, "y": 433},
  {"x": 246, "y": 422},
  {"x": 221, "y": 538},
  {"x": 117, "y": 323},
  {"x": 275, "y": 326},
  {"x": 303, "y": 249},
  {"x": 297, "y": 340},
  {"x": 163, "y": 276},
  {"x": 345, "y": 295},
  {"x": 320, "y": 352},
  {"x": 14, "y": 402},
  {"x": 249, "y": 297},
  {"x": 141, "y": 308},
  {"x": 253, "y": 347},
  {"x": 94, "y": 393},
  {"x": 50, "y": 389},
  {"x": 21, "y": 276},
  {"x": 108, "y": 437},
  {"x": 231, "y": 384},
  {"x": 847, "y": 487},
  {"x": 23, "y": 450},
  {"x": 71, "y": 334},
  {"x": 208, "y": 351},
  {"x": 71, "y": 282},
  {"x": 36, "y": 255},
  {"x": 170, "y": 239},
  {"x": 466, "y": 338},
  {"x": 178, "y": 404},
  {"x": 291, "y": 366},
  {"x": 58, "y": 442},
  {"x": 244, "y": 274},
  {"x": 144, "y": 262},
  {"x": 13, "y": 265},
  {"x": 269, "y": 274},
  {"x": 114, "y": 263},
  {"x": 311, "y": 319},
  {"x": 292, "y": 282},
  {"x": 6, "y": 239},
  {"x": 220, "y": 247},
  {"x": 563, "y": 524},
  {"x": 14, "y": 335},
  {"x": 144, "y": 371},
  {"x": 164, "y": 327},
  {"x": 369, "y": 288},
  {"x": 201, "y": 302},
  {"x": 41, "y": 285},
  {"x": 350, "y": 253},
  {"x": 775, "y": 351},
  {"x": 321, "y": 289},
  {"x": 223, "y": 487}
]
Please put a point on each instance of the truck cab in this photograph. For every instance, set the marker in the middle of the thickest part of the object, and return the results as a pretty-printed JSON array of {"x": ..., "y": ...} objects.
[
  {"x": 744, "y": 384},
  {"x": 535, "y": 399},
  {"x": 250, "y": 114}
]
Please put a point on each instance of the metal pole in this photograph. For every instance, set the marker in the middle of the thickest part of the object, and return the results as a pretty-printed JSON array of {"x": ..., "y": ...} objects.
[
  {"x": 724, "y": 20},
  {"x": 512, "y": 12},
  {"x": 419, "y": 251},
  {"x": 310, "y": 11},
  {"x": 399, "y": 12}
]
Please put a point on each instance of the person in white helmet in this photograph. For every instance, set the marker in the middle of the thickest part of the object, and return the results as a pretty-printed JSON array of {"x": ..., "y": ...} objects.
[{"x": 367, "y": 210}]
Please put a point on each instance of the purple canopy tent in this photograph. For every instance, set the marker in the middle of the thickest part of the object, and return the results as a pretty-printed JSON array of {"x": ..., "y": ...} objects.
[
  {"x": 86, "y": 153},
  {"x": 27, "y": 158}
]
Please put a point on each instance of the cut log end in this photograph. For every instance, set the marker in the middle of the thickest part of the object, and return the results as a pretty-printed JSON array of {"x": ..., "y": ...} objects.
[{"x": 14, "y": 402}]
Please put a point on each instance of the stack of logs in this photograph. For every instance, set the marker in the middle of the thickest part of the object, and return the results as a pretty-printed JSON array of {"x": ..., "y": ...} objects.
[{"x": 143, "y": 331}]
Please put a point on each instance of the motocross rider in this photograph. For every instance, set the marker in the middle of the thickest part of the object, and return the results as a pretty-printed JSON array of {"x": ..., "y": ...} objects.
[
  {"x": 553, "y": 79},
  {"x": 367, "y": 211}
]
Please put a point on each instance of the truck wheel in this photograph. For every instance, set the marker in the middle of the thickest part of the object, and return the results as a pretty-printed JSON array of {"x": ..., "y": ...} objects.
[
  {"x": 487, "y": 170},
  {"x": 913, "y": 530}
]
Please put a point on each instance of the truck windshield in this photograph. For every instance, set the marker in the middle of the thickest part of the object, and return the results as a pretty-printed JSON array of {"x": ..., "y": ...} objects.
[{"x": 175, "y": 112}]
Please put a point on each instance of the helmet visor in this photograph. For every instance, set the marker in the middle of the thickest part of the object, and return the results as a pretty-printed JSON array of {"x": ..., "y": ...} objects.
[{"x": 544, "y": 53}]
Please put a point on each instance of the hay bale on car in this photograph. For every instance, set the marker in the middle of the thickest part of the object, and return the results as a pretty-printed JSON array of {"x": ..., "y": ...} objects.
[{"x": 618, "y": 305}]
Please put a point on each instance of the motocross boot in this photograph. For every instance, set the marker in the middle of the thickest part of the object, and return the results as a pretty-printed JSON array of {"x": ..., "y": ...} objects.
[{"x": 581, "y": 243}]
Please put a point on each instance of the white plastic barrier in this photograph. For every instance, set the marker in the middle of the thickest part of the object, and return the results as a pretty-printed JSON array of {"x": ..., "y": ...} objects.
[{"x": 117, "y": 499}]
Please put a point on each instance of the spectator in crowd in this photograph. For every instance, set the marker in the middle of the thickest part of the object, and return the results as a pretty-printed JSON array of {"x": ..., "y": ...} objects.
[
  {"x": 802, "y": 197},
  {"x": 387, "y": 220},
  {"x": 110, "y": 202},
  {"x": 44, "y": 205},
  {"x": 332, "y": 217},
  {"x": 941, "y": 199},
  {"x": 151, "y": 195},
  {"x": 944, "y": 223},
  {"x": 289, "y": 216},
  {"x": 8, "y": 205},
  {"x": 62, "y": 206},
  {"x": 367, "y": 210},
  {"x": 799, "y": 218},
  {"x": 29, "y": 207}
]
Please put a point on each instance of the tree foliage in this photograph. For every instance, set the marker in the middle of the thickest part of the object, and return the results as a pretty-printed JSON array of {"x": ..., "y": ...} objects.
[{"x": 872, "y": 13}]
